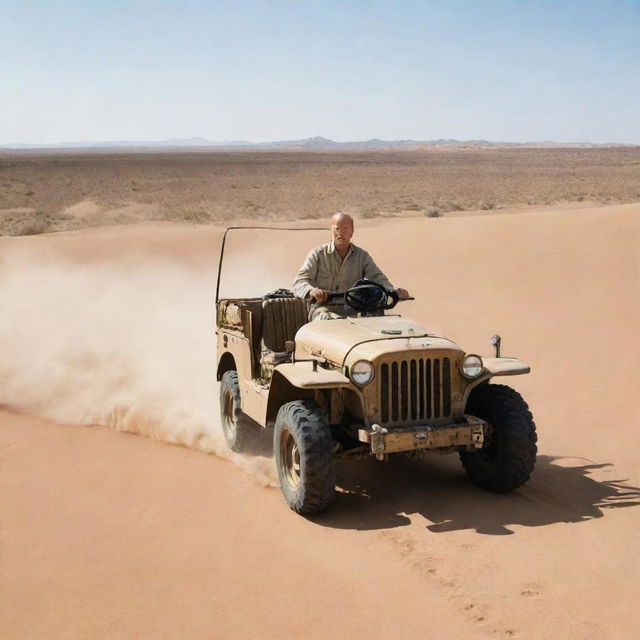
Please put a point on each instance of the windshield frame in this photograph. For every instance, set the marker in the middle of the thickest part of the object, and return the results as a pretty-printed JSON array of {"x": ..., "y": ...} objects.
[{"x": 224, "y": 240}]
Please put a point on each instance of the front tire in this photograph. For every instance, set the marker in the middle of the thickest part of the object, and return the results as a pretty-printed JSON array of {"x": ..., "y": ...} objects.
[
  {"x": 507, "y": 459},
  {"x": 235, "y": 424},
  {"x": 303, "y": 450}
]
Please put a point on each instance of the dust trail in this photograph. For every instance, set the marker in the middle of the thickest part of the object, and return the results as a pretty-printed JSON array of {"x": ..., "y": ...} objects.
[{"x": 131, "y": 347}]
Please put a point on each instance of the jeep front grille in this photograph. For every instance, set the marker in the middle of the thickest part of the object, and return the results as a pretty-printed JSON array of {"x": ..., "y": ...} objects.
[{"x": 414, "y": 390}]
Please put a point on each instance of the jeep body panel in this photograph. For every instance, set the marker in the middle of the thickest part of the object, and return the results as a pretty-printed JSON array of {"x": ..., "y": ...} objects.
[
  {"x": 235, "y": 352},
  {"x": 364, "y": 338}
]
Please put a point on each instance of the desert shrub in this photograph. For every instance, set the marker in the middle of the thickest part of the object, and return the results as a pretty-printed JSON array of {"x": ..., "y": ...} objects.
[
  {"x": 433, "y": 213},
  {"x": 195, "y": 216},
  {"x": 487, "y": 205},
  {"x": 31, "y": 228},
  {"x": 451, "y": 205}
]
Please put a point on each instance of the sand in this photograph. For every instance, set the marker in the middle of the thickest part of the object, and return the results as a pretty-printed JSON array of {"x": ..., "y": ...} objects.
[{"x": 106, "y": 534}]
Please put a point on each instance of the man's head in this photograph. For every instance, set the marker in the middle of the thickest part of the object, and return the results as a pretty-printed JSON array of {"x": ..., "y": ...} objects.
[{"x": 341, "y": 230}]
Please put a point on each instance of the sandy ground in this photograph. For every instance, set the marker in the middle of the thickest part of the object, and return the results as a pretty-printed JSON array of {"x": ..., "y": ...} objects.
[{"x": 109, "y": 535}]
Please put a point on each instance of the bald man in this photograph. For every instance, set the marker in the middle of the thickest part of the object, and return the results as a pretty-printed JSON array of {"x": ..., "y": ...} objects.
[{"x": 337, "y": 266}]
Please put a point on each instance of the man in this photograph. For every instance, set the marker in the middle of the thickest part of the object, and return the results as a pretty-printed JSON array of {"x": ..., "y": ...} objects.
[{"x": 337, "y": 266}]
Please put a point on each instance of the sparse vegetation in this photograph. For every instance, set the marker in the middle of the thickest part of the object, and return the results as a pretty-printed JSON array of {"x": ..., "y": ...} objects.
[
  {"x": 369, "y": 212},
  {"x": 38, "y": 189},
  {"x": 453, "y": 205},
  {"x": 31, "y": 228}
]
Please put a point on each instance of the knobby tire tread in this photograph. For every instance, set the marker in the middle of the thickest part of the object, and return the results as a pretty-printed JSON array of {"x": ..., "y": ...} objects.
[
  {"x": 307, "y": 422},
  {"x": 242, "y": 426},
  {"x": 515, "y": 459}
]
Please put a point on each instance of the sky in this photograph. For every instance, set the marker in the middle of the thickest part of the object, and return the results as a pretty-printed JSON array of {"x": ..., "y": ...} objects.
[{"x": 259, "y": 70}]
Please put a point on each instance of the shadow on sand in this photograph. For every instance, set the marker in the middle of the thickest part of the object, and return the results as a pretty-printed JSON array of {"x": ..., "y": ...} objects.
[
  {"x": 374, "y": 495},
  {"x": 383, "y": 495}
]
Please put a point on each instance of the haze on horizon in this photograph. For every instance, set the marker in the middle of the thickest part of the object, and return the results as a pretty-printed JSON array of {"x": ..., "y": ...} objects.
[{"x": 500, "y": 70}]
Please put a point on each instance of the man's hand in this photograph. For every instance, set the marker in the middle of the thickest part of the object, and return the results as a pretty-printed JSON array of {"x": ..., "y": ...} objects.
[
  {"x": 320, "y": 295},
  {"x": 403, "y": 294}
]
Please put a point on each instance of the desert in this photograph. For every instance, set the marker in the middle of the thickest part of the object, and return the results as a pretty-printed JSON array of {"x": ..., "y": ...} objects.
[
  {"x": 107, "y": 334},
  {"x": 62, "y": 190}
]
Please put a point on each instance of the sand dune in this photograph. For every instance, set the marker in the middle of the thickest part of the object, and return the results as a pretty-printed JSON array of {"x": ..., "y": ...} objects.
[{"x": 106, "y": 535}]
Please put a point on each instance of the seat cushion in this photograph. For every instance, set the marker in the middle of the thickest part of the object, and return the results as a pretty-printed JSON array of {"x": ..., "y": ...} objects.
[{"x": 281, "y": 319}]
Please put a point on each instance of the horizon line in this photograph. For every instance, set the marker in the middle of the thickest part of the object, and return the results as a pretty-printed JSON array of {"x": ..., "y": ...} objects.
[{"x": 310, "y": 142}]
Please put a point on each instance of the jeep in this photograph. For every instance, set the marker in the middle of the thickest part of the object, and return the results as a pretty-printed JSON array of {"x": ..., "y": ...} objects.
[{"x": 371, "y": 384}]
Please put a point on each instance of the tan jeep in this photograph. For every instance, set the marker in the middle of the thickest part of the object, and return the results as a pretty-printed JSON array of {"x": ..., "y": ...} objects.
[{"x": 373, "y": 385}]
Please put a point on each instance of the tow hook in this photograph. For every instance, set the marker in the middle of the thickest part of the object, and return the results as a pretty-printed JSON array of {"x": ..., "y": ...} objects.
[
  {"x": 377, "y": 441},
  {"x": 477, "y": 436}
]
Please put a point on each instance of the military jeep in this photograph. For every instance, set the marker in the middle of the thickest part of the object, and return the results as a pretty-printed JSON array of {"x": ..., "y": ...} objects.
[{"x": 372, "y": 384}]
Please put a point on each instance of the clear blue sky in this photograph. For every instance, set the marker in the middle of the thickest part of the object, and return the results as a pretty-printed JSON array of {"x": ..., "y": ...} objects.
[{"x": 564, "y": 70}]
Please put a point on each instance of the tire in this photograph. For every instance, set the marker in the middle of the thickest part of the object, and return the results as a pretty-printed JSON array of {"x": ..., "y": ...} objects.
[
  {"x": 303, "y": 450},
  {"x": 507, "y": 459},
  {"x": 235, "y": 424}
]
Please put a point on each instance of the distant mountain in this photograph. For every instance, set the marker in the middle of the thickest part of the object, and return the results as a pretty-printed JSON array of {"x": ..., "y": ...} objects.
[
  {"x": 316, "y": 143},
  {"x": 324, "y": 143}
]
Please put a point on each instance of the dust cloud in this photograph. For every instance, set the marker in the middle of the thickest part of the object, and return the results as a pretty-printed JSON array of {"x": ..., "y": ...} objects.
[{"x": 128, "y": 346}]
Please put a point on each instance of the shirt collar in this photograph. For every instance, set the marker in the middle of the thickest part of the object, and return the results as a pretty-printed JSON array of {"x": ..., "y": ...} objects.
[{"x": 332, "y": 248}]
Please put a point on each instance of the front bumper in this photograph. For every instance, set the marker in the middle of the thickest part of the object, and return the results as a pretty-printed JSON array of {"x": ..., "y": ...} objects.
[{"x": 468, "y": 434}]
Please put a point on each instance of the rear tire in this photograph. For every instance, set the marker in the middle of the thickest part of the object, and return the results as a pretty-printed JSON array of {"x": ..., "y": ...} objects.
[
  {"x": 507, "y": 459},
  {"x": 235, "y": 424},
  {"x": 303, "y": 450}
]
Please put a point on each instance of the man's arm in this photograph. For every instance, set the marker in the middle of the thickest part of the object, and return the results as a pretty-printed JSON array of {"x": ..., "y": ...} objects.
[{"x": 306, "y": 278}]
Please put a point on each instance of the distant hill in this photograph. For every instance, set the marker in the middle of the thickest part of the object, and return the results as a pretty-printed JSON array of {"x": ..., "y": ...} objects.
[{"x": 316, "y": 143}]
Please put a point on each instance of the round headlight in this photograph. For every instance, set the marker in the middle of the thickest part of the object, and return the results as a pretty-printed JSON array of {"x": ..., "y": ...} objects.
[
  {"x": 362, "y": 372},
  {"x": 472, "y": 366}
]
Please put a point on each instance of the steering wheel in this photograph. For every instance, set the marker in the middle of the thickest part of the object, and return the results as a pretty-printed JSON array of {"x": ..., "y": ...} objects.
[{"x": 367, "y": 295}]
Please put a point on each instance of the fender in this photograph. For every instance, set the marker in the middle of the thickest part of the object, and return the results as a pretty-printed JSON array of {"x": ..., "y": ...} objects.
[
  {"x": 308, "y": 375},
  {"x": 300, "y": 380},
  {"x": 504, "y": 367},
  {"x": 496, "y": 367}
]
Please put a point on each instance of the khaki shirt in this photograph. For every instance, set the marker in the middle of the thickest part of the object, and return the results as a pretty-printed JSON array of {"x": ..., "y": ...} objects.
[{"x": 324, "y": 269}]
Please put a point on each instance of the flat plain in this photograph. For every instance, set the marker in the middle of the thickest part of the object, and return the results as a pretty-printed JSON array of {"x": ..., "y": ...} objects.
[{"x": 62, "y": 190}]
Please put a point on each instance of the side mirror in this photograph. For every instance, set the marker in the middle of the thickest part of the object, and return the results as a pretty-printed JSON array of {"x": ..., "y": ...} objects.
[
  {"x": 290, "y": 346},
  {"x": 495, "y": 341}
]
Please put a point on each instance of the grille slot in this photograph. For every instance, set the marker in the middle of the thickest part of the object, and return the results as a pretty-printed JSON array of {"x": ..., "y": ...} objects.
[{"x": 415, "y": 390}]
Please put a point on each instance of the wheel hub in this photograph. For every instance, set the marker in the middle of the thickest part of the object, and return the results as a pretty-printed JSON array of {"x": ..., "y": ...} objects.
[{"x": 290, "y": 456}]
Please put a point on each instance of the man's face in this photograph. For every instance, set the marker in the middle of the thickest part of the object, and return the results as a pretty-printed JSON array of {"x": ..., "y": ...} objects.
[{"x": 342, "y": 232}]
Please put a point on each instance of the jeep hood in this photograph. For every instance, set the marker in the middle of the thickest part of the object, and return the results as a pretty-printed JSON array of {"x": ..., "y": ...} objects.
[{"x": 345, "y": 340}]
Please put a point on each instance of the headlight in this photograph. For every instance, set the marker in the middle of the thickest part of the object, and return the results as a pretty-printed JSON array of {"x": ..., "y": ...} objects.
[
  {"x": 362, "y": 372},
  {"x": 472, "y": 366}
]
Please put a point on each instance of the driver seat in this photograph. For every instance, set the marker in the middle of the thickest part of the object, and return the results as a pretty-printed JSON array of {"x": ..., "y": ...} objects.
[{"x": 281, "y": 319}]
